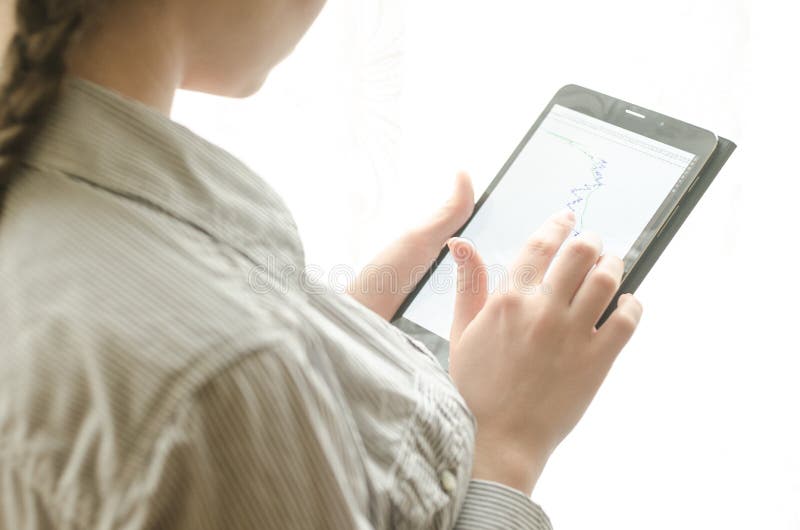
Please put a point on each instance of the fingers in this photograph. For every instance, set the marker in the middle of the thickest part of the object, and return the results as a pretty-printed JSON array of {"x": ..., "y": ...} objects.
[
  {"x": 598, "y": 289},
  {"x": 471, "y": 291},
  {"x": 617, "y": 330},
  {"x": 576, "y": 259},
  {"x": 529, "y": 268}
]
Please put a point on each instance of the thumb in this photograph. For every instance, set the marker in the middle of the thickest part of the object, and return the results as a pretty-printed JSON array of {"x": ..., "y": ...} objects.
[
  {"x": 471, "y": 288},
  {"x": 453, "y": 214}
]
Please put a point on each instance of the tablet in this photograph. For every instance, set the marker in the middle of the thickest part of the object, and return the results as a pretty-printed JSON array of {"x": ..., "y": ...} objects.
[{"x": 629, "y": 173}]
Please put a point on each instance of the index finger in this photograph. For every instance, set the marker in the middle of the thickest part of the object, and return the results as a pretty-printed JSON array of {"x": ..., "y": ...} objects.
[{"x": 535, "y": 257}]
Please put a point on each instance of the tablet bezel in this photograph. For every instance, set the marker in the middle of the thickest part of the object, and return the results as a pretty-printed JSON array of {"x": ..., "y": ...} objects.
[{"x": 659, "y": 127}]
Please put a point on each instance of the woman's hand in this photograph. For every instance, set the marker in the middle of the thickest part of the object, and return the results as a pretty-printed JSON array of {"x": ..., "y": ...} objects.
[
  {"x": 391, "y": 275},
  {"x": 529, "y": 361}
]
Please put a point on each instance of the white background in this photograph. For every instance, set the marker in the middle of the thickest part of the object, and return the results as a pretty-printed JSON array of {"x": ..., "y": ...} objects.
[{"x": 363, "y": 128}]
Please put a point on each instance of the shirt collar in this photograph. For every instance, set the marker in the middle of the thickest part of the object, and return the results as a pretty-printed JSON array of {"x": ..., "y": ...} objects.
[{"x": 109, "y": 140}]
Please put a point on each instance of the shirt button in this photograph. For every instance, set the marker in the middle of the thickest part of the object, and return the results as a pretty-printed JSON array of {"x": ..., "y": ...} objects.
[{"x": 448, "y": 481}]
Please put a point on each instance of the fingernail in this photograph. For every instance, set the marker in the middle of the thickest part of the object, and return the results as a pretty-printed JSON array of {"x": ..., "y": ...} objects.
[
  {"x": 567, "y": 214},
  {"x": 459, "y": 252},
  {"x": 457, "y": 180}
]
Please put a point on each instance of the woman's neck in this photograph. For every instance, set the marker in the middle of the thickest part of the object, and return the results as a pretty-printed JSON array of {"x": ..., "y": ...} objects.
[{"x": 142, "y": 61}]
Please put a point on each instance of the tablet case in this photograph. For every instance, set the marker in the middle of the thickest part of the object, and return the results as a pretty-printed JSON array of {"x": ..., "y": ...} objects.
[{"x": 703, "y": 180}]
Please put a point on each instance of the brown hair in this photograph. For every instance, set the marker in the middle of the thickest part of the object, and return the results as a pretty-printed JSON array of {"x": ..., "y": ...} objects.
[{"x": 33, "y": 73}]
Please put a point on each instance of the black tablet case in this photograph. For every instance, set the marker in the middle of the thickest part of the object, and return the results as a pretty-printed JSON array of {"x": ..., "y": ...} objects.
[{"x": 703, "y": 180}]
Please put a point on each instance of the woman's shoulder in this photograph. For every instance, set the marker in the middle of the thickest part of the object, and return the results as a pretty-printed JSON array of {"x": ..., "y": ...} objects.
[
  {"x": 113, "y": 313},
  {"x": 110, "y": 261},
  {"x": 104, "y": 293}
]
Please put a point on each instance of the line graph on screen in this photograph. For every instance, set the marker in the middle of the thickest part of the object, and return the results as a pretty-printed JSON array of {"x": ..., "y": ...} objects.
[{"x": 579, "y": 196}]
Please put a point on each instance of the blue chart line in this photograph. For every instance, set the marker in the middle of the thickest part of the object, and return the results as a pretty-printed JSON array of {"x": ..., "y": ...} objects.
[{"x": 579, "y": 197}]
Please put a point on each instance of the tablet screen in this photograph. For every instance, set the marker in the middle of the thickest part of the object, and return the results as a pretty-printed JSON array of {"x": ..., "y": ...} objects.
[{"x": 619, "y": 183}]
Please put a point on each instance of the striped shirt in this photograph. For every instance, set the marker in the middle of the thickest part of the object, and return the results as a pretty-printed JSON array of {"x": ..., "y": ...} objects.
[{"x": 165, "y": 363}]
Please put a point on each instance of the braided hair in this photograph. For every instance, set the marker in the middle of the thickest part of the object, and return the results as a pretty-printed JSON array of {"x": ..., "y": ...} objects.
[{"x": 33, "y": 73}]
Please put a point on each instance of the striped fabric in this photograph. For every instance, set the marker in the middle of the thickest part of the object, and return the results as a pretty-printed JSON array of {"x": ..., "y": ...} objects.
[{"x": 165, "y": 363}]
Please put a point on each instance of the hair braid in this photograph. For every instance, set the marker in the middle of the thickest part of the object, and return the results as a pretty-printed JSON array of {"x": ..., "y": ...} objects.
[{"x": 33, "y": 73}]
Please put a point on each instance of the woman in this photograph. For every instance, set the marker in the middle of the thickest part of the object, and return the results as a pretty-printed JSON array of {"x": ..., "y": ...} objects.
[{"x": 166, "y": 364}]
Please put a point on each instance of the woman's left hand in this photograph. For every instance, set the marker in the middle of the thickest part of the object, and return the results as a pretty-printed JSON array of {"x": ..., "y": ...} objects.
[{"x": 392, "y": 274}]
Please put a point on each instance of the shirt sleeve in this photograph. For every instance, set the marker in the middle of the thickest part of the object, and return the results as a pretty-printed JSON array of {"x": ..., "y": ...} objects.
[
  {"x": 268, "y": 445},
  {"x": 262, "y": 446},
  {"x": 490, "y": 505}
]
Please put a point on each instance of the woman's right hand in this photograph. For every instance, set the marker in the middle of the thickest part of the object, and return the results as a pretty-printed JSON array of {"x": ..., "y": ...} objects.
[{"x": 529, "y": 360}]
